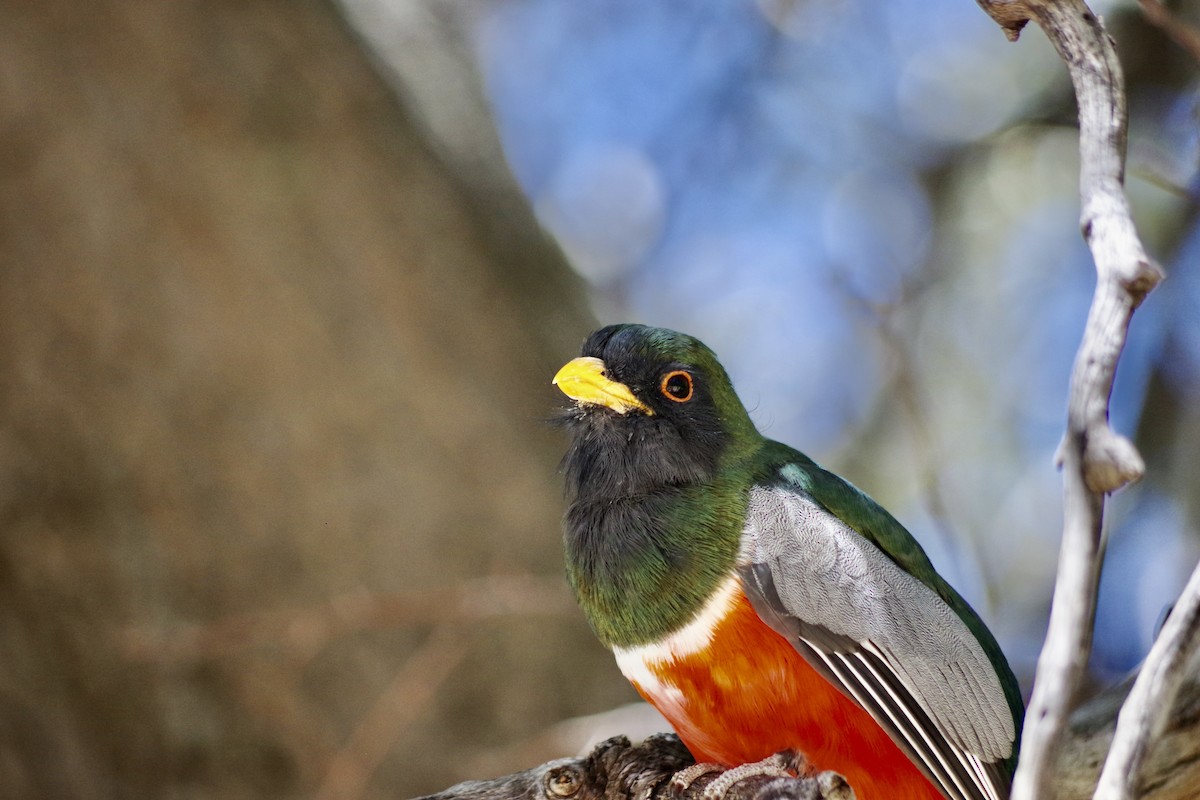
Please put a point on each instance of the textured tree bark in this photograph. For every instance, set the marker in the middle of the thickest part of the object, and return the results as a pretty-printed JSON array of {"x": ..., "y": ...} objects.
[{"x": 616, "y": 769}]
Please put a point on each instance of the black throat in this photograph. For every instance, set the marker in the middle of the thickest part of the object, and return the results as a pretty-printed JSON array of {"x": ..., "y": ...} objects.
[
  {"x": 646, "y": 533},
  {"x": 614, "y": 456}
]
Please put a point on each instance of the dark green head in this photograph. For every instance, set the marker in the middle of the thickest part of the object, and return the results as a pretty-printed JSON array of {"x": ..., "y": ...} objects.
[{"x": 653, "y": 407}]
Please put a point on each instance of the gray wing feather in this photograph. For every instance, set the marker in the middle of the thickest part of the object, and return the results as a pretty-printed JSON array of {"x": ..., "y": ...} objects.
[{"x": 882, "y": 636}]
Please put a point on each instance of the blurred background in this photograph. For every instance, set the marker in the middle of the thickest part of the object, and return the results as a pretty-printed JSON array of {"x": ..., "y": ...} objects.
[{"x": 283, "y": 285}]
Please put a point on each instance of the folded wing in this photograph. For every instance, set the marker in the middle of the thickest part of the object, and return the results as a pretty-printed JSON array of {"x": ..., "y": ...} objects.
[{"x": 883, "y": 637}]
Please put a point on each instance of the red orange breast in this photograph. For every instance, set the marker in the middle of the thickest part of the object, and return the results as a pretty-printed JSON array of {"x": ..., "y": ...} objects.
[{"x": 746, "y": 693}]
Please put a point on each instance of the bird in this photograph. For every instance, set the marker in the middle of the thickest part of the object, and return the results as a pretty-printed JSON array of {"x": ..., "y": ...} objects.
[{"x": 760, "y": 602}]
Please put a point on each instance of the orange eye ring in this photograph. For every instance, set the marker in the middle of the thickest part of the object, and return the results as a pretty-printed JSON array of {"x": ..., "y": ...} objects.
[{"x": 677, "y": 386}]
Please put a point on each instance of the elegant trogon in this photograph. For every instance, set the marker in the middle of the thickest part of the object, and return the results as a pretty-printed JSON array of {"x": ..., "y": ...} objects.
[{"x": 760, "y": 602}]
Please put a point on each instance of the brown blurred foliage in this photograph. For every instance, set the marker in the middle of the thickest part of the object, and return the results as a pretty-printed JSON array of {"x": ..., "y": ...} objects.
[{"x": 272, "y": 385}]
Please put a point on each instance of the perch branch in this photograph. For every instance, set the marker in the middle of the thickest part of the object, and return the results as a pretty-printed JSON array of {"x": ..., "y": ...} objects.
[
  {"x": 1096, "y": 460},
  {"x": 615, "y": 770}
]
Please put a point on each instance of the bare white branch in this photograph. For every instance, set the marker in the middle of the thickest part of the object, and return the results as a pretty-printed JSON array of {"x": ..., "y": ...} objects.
[
  {"x": 1096, "y": 460},
  {"x": 1145, "y": 712}
]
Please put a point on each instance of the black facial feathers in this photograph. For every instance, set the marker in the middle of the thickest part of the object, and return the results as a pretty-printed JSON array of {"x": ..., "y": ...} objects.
[{"x": 616, "y": 455}]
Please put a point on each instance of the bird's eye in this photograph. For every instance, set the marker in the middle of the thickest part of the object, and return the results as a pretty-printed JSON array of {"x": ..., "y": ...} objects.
[{"x": 677, "y": 386}]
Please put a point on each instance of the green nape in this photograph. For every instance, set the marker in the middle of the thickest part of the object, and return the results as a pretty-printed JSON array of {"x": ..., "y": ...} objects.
[{"x": 670, "y": 346}]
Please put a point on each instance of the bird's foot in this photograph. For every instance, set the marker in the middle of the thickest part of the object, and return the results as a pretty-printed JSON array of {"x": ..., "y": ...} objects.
[
  {"x": 787, "y": 775},
  {"x": 786, "y": 764},
  {"x": 681, "y": 781}
]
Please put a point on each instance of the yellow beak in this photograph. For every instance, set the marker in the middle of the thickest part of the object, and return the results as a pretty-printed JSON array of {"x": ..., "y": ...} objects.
[{"x": 583, "y": 380}]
